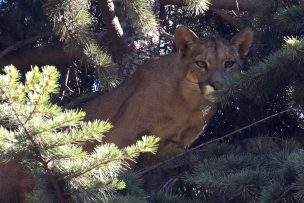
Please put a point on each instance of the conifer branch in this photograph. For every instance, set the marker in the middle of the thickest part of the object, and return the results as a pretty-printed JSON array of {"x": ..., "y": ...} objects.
[
  {"x": 90, "y": 168},
  {"x": 53, "y": 152},
  {"x": 290, "y": 19},
  {"x": 278, "y": 200},
  {"x": 147, "y": 144},
  {"x": 140, "y": 12},
  {"x": 56, "y": 126},
  {"x": 72, "y": 193},
  {"x": 36, "y": 148},
  {"x": 44, "y": 163},
  {"x": 35, "y": 105},
  {"x": 197, "y": 7},
  {"x": 72, "y": 22}
]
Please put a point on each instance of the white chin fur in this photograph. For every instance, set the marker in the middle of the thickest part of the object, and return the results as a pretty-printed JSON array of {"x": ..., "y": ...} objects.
[{"x": 208, "y": 89}]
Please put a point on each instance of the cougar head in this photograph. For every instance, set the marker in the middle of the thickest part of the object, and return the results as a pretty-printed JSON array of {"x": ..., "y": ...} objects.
[{"x": 211, "y": 61}]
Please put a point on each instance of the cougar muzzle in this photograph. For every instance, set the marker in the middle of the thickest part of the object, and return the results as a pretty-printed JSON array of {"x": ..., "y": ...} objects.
[{"x": 217, "y": 79}]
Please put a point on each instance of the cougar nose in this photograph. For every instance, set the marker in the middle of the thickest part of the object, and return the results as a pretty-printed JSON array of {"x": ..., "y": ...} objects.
[{"x": 216, "y": 85}]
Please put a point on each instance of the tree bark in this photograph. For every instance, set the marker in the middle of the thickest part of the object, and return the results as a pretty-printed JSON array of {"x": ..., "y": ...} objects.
[
  {"x": 140, "y": 45},
  {"x": 236, "y": 22},
  {"x": 119, "y": 46},
  {"x": 244, "y": 5},
  {"x": 39, "y": 56},
  {"x": 20, "y": 44}
]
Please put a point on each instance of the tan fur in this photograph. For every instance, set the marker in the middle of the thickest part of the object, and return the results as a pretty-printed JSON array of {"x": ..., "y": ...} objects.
[
  {"x": 165, "y": 94},
  {"x": 15, "y": 182},
  {"x": 166, "y": 105},
  {"x": 163, "y": 98}
]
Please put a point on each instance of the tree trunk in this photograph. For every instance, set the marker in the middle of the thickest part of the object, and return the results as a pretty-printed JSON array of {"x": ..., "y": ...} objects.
[
  {"x": 117, "y": 44},
  {"x": 143, "y": 45}
]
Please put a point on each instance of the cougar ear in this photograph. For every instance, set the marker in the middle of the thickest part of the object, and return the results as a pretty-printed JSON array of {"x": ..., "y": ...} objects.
[
  {"x": 183, "y": 37},
  {"x": 243, "y": 40}
]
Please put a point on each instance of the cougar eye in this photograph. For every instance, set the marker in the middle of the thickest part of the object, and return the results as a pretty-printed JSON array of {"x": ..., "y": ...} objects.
[
  {"x": 201, "y": 64},
  {"x": 229, "y": 64}
]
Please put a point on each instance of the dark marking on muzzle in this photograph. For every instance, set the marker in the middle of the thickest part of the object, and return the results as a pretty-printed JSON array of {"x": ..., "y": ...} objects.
[{"x": 202, "y": 86}]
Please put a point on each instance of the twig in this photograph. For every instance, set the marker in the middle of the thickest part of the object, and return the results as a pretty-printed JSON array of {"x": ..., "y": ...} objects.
[
  {"x": 146, "y": 170},
  {"x": 166, "y": 35},
  {"x": 237, "y": 5},
  {"x": 167, "y": 187},
  {"x": 69, "y": 194},
  {"x": 284, "y": 194},
  {"x": 92, "y": 167},
  {"x": 23, "y": 43}
]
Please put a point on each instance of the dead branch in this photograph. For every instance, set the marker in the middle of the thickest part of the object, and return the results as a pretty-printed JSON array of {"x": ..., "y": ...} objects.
[
  {"x": 243, "y": 5},
  {"x": 237, "y": 23},
  {"x": 166, "y": 35},
  {"x": 47, "y": 55},
  {"x": 23, "y": 43}
]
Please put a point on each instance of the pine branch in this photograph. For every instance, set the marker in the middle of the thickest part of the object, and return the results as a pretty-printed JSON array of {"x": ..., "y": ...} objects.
[
  {"x": 140, "y": 12},
  {"x": 36, "y": 147},
  {"x": 290, "y": 19},
  {"x": 90, "y": 168},
  {"x": 58, "y": 125},
  {"x": 197, "y": 7},
  {"x": 90, "y": 131},
  {"x": 45, "y": 86},
  {"x": 40, "y": 158},
  {"x": 72, "y": 23},
  {"x": 278, "y": 200},
  {"x": 147, "y": 144},
  {"x": 49, "y": 140},
  {"x": 69, "y": 194}
]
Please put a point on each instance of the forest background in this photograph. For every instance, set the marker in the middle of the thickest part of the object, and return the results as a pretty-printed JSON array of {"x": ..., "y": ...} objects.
[{"x": 252, "y": 150}]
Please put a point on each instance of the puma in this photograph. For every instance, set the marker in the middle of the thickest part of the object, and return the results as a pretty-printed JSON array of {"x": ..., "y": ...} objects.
[{"x": 163, "y": 98}]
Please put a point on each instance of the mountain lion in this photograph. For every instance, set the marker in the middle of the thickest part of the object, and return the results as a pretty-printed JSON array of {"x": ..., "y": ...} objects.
[{"x": 164, "y": 96}]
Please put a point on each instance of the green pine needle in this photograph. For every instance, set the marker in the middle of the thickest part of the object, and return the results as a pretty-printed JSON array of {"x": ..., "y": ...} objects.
[
  {"x": 140, "y": 11},
  {"x": 279, "y": 70},
  {"x": 50, "y": 141},
  {"x": 197, "y": 7}
]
